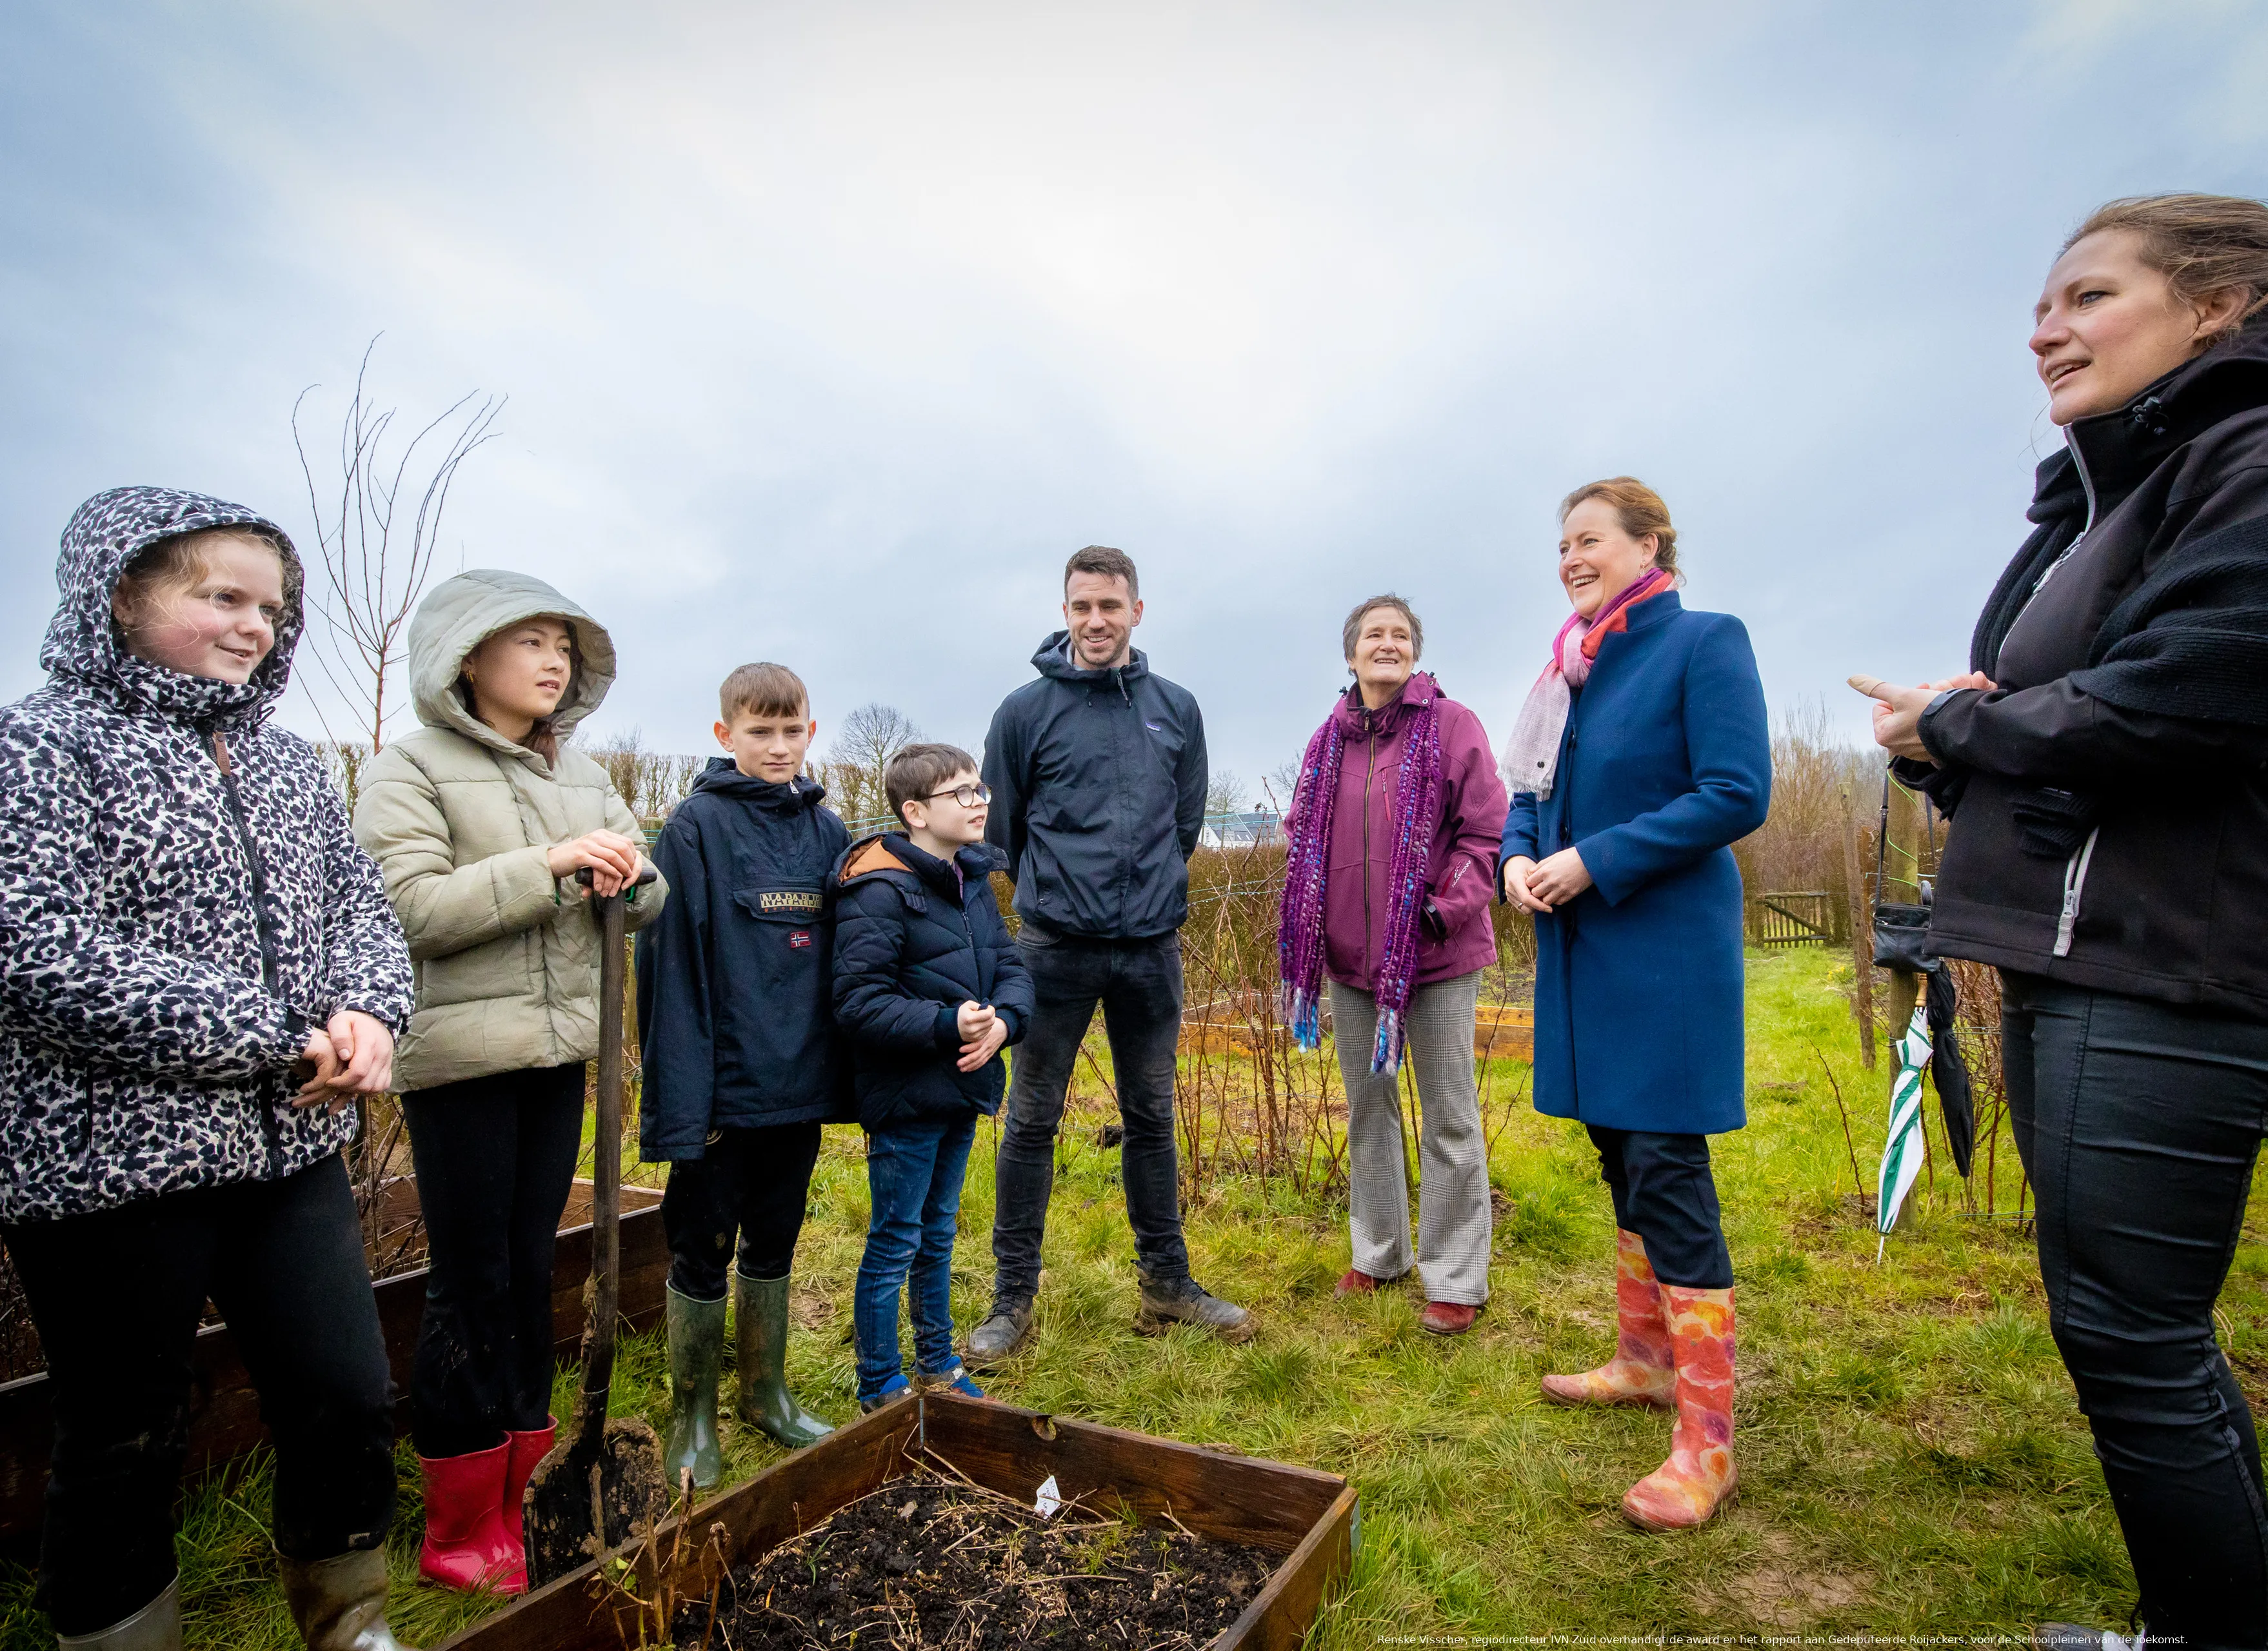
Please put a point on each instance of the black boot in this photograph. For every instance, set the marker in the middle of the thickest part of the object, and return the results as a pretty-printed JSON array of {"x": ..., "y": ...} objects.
[
  {"x": 1167, "y": 1303},
  {"x": 1002, "y": 1335}
]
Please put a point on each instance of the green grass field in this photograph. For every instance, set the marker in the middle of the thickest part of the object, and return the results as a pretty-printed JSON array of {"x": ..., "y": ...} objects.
[{"x": 1911, "y": 1457}]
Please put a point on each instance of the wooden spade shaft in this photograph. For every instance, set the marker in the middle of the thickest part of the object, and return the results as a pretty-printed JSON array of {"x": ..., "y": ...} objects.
[
  {"x": 606, "y": 1183},
  {"x": 603, "y": 1481}
]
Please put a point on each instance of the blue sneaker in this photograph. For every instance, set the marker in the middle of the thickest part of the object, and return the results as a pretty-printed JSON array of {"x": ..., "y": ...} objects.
[
  {"x": 953, "y": 1379},
  {"x": 896, "y": 1387}
]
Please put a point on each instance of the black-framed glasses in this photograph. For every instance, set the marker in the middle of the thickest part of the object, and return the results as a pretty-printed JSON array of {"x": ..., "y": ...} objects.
[{"x": 967, "y": 795}]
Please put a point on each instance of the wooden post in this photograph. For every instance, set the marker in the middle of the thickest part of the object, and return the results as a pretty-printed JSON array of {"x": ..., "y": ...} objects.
[{"x": 1862, "y": 935}]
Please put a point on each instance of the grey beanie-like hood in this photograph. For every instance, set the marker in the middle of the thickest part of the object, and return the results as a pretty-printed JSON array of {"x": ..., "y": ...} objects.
[
  {"x": 458, "y": 614},
  {"x": 82, "y": 643}
]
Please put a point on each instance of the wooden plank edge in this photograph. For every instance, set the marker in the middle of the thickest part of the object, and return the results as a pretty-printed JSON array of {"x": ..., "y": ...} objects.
[
  {"x": 575, "y": 1612},
  {"x": 1281, "y": 1615},
  {"x": 1305, "y": 1494}
]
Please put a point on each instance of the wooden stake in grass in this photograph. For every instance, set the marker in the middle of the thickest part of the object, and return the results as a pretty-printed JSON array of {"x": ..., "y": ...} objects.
[{"x": 1862, "y": 935}]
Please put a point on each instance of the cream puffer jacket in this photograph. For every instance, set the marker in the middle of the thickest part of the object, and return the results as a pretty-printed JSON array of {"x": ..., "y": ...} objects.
[{"x": 461, "y": 821}]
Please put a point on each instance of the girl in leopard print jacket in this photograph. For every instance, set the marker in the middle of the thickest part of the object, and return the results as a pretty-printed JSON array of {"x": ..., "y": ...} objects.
[{"x": 198, "y": 969}]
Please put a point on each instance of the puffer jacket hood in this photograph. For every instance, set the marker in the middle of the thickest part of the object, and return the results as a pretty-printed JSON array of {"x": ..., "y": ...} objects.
[
  {"x": 462, "y": 821},
  {"x": 458, "y": 614},
  {"x": 180, "y": 903},
  {"x": 83, "y": 644}
]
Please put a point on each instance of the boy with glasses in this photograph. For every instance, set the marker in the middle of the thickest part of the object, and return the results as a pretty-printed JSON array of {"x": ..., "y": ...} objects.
[{"x": 928, "y": 988}]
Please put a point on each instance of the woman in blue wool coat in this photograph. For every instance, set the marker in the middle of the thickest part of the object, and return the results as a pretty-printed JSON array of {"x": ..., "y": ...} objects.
[{"x": 1643, "y": 753}]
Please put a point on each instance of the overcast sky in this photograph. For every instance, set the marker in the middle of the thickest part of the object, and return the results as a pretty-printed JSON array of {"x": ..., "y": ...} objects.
[{"x": 829, "y": 332}]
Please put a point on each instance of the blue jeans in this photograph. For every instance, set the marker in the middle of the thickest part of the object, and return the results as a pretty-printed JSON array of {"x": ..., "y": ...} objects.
[{"x": 913, "y": 1179}]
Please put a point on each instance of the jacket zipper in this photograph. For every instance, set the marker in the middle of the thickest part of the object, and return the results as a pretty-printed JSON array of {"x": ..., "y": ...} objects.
[
  {"x": 2087, "y": 486},
  {"x": 2075, "y": 883},
  {"x": 269, "y": 970},
  {"x": 2074, "y": 870}
]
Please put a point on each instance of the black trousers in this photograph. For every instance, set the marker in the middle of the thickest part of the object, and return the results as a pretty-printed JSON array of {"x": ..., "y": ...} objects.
[
  {"x": 1138, "y": 984},
  {"x": 2138, "y": 1123},
  {"x": 752, "y": 1182},
  {"x": 116, "y": 1295},
  {"x": 1664, "y": 1193},
  {"x": 495, "y": 1157}
]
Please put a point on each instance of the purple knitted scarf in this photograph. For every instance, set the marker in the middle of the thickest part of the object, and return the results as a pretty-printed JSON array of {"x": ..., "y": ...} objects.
[{"x": 1300, "y": 924}]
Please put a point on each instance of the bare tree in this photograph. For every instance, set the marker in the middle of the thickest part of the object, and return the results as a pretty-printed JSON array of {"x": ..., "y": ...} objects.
[
  {"x": 651, "y": 783},
  {"x": 1226, "y": 792},
  {"x": 372, "y": 565},
  {"x": 859, "y": 754},
  {"x": 1281, "y": 783}
]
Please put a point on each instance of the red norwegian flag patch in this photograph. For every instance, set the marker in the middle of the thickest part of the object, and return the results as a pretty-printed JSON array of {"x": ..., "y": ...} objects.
[{"x": 799, "y": 939}]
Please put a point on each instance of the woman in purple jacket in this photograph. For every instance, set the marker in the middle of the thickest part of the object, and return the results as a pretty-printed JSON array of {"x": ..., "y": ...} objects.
[{"x": 1394, "y": 831}]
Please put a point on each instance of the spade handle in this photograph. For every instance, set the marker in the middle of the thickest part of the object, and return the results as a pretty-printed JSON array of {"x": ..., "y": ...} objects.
[{"x": 606, "y": 1172}]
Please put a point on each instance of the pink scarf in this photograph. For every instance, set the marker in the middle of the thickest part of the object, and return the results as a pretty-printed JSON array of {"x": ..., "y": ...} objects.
[{"x": 1531, "y": 754}]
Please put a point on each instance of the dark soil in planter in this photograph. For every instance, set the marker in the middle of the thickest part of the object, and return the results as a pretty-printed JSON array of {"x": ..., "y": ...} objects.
[{"x": 931, "y": 1563}]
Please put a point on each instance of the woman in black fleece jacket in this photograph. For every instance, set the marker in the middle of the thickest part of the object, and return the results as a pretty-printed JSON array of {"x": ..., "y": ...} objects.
[{"x": 2102, "y": 760}]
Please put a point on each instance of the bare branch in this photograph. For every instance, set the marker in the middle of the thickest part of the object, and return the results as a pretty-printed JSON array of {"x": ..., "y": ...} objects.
[{"x": 370, "y": 567}]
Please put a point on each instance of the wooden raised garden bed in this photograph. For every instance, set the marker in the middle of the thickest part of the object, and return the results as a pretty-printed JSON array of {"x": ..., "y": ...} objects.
[
  {"x": 1313, "y": 1520},
  {"x": 225, "y": 1411}
]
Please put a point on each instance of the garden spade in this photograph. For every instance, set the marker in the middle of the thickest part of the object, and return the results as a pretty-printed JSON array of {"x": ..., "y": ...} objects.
[{"x": 603, "y": 1480}]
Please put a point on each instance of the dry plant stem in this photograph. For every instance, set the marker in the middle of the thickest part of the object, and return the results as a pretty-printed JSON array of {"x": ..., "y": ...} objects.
[{"x": 1858, "y": 1181}]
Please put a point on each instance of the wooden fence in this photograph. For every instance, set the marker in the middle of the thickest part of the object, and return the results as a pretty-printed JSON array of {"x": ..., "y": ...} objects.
[{"x": 1803, "y": 917}]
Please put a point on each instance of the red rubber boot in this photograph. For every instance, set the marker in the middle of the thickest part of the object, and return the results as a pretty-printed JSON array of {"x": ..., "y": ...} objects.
[
  {"x": 527, "y": 1449},
  {"x": 466, "y": 1547}
]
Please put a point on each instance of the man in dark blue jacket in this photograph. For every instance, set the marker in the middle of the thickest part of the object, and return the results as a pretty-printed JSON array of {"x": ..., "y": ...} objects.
[
  {"x": 1098, "y": 779},
  {"x": 740, "y": 1057}
]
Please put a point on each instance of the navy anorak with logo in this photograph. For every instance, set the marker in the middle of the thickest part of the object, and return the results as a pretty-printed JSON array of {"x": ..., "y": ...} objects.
[
  {"x": 1097, "y": 783},
  {"x": 734, "y": 977}
]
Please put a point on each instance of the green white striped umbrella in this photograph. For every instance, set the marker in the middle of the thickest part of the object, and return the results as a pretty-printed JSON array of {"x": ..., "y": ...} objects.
[{"x": 1902, "y": 1153}]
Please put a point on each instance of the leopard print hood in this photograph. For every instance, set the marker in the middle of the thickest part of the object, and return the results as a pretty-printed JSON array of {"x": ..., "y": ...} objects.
[
  {"x": 180, "y": 903},
  {"x": 82, "y": 643}
]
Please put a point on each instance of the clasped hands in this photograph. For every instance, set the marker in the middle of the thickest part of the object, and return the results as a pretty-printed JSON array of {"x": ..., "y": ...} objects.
[
  {"x": 1540, "y": 885},
  {"x": 983, "y": 1032},
  {"x": 351, "y": 1055},
  {"x": 1897, "y": 710}
]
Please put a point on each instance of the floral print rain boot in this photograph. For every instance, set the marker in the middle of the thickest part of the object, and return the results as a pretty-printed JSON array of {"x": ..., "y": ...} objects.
[
  {"x": 1640, "y": 1372},
  {"x": 1698, "y": 1475}
]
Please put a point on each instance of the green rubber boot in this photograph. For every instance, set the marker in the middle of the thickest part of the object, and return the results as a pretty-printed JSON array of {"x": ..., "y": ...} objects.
[
  {"x": 697, "y": 1353},
  {"x": 760, "y": 1308}
]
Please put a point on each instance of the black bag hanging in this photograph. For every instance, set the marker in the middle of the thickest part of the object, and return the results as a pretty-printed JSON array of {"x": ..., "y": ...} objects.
[{"x": 1900, "y": 931}]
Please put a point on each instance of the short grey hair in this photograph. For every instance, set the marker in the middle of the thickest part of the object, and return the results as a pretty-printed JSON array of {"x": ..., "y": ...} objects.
[{"x": 1353, "y": 632}]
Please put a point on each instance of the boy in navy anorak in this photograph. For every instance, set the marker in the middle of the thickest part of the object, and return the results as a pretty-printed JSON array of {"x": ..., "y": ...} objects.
[
  {"x": 928, "y": 989},
  {"x": 742, "y": 1063}
]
